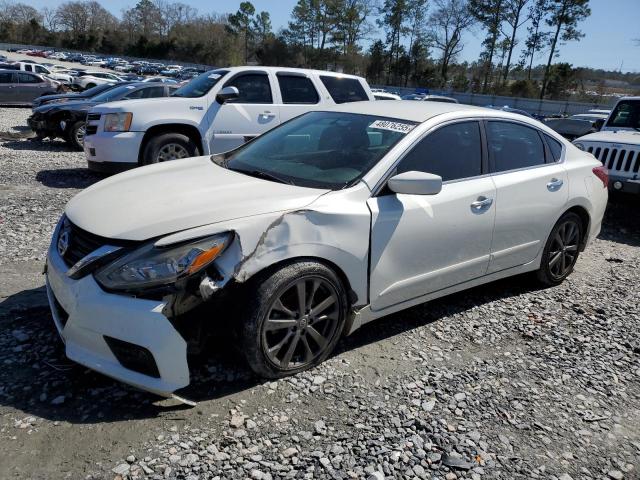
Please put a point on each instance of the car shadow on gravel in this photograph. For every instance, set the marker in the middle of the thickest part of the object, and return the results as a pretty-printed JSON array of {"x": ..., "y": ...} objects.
[
  {"x": 620, "y": 222},
  {"x": 68, "y": 178},
  {"x": 32, "y": 144},
  {"x": 40, "y": 381}
]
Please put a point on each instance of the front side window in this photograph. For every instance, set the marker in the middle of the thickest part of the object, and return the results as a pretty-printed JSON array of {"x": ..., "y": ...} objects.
[
  {"x": 513, "y": 146},
  {"x": 6, "y": 77},
  {"x": 297, "y": 90},
  {"x": 253, "y": 88},
  {"x": 200, "y": 85},
  {"x": 453, "y": 152},
  {"x": 319, "y": 149},
  {"x": 625, "y": 115},
  {"x": 344, "y": 90},
  {"x": 26, "y": 78}
]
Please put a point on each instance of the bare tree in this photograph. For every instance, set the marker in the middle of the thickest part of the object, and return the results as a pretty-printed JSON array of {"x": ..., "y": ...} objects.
[
  {"x": 448, "y": 22},
  {"x": 515, "y": 19}
]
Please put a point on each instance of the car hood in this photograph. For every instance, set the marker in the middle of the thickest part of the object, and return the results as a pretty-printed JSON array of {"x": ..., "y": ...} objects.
[
  {"x": 160, "y": 102},
  {"x": 56, "y": 107},
  {"x": 608, "y": 136},
  {"x": 161, "y": 199}
]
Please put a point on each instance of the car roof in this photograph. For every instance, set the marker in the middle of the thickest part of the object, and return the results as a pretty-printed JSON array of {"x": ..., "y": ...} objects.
[
  {"x": 409, "y": 109},
  {"x": 285, "y": 69}
]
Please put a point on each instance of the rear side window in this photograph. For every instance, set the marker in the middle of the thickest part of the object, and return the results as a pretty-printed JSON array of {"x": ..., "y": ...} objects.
[
  {"x": 253, "y": 88},
  {"x": 344, "y": 90},
  {"x": 453, "y": 152},
  {"x": 297, "y": 89},
  {"x": 5, "y": 77},
  {"x": 513, "y": 146},
  {"x": 555, "y": 147},
  {"x": 26, "y": 78}
]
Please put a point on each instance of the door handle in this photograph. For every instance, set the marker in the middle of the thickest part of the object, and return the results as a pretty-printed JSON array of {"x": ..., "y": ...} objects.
[
  {"x": 267, "y": 115},
  {"x": 554, "y": 185},
  {"x": 481, "y": 204}
]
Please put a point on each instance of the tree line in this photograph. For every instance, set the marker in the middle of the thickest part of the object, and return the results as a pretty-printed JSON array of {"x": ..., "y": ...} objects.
[{"x": 393, "y": 42}]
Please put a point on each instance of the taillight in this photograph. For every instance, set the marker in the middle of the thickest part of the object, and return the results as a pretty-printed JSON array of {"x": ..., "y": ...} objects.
[{"x": 603, "y": 174}]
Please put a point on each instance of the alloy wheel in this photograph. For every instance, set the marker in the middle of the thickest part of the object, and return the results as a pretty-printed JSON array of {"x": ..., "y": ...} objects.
[
  {"x": 564, "y": 249},
  {"x": 301, "y": 323},
  {"x": 80, "y": 132},
  {"x": 172, "y": 151}
]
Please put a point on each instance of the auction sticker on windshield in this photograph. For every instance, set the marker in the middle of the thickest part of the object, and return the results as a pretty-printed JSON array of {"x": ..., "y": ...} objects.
[{"x": 393, "y": 126}]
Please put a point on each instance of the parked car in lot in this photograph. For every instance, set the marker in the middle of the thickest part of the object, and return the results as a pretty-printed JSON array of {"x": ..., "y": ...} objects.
[
  {"x": 21, "y": 88},
  {"x": 332, "y": 220},
  {"x": 68, "y": 120},
  {"x": 576, "y": 125},
  {"x": 214, "y": 113},
  {"x": 70, "y": 97},
  {"x": 90, "y": 78},
  {"x": 385, "y": 96},
  {"x": 617, "y": 145}
]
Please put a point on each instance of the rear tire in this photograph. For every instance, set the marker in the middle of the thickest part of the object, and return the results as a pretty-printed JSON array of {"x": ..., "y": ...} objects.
[
  {"x": 276, "y": 339},
  {"x": 75, "y": 135},
  {"x": 169, "y": 146},
  {"x": 561, "y": 250}
]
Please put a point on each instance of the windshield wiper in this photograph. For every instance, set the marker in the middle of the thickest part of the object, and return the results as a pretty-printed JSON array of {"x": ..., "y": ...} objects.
[{"x": 263, "y": 175}]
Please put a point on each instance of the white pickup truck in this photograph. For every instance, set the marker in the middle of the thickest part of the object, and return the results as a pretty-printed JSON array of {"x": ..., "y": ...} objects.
[
  {"x": 215, "y": 112},
  {"x": 617, "y": 145}
]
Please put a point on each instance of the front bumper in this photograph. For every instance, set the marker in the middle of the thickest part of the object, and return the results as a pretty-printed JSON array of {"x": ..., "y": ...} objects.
[
  {"x": 88, "y": 319},
  {"x": 626, "y": 184},
  {"x": 45, "y": 127},
  {"x": 112, "y": 151}
]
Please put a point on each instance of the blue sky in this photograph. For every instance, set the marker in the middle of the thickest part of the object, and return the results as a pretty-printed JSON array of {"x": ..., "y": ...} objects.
[{"x": 608, "y": 42}]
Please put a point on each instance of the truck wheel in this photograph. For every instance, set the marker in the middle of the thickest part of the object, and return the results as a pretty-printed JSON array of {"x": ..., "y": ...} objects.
[
  {"x": 292, "y": 319},
  {"x": 169, "y": 146},
  {"x": 561, "y": 250},
  {"x": 75, "y": 135}
]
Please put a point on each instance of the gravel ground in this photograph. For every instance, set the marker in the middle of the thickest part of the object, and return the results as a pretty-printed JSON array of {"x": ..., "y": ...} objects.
[{"x": 504, "y": 381}]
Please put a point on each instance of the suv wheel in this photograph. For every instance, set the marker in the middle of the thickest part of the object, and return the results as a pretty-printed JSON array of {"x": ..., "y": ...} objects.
[
  {"x": 169, "y": 146},
  {"x": 561, "y": 250},
  {"x": 293, "y": 320},
  {"x": 75, "y": 135}
]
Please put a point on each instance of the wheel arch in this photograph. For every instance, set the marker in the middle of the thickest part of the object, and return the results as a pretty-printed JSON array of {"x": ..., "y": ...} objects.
[
  {"x": 585, "y": 218},
  {"x": 185, "y": 129}
]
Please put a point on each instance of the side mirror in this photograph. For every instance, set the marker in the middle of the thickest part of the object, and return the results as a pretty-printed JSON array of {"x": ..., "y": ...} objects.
[
  {"x": 416, "y": 183},
  {"x": 598, "y": 124},
  {"x": 226, "y": 94}
]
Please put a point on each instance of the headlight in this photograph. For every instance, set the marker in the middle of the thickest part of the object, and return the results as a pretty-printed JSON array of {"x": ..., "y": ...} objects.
[
  {"x": 150, "y": 266},
  {"x": 117, "y": 122},
  {"x": 579, "y": 145}
]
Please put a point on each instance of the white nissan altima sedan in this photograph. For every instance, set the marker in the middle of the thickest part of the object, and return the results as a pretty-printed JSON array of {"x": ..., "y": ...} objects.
[{"x": 311, "y": 230}]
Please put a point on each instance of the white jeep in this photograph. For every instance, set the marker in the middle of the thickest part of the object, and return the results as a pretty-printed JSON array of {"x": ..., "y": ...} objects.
[
  {"x": 214, "y": 113},
  {"x": 617, "y": 145}
]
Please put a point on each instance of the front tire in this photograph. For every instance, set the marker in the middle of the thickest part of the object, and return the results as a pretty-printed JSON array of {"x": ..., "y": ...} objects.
[
  {"x": 169, "y": 146},
  {"x": 75, "y": 135},
  {"x": 561, "y": 250},
  {"x": 293, "y": 319}
]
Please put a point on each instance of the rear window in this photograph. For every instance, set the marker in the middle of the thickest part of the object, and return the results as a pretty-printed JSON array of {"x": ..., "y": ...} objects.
[
  {"x": 625, "y": 115},
  {"x": 297, "y": 89},
  {"x": 344, "y": 90},
  {"x": 555, "y": 147}
]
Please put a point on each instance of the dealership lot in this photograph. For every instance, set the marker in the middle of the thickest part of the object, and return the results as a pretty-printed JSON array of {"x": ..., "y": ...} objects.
[{"x": 503, "y": 381}]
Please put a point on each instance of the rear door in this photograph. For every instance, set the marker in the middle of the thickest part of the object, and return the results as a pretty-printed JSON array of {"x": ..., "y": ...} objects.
[
  {"x": 251, "y": 114},
  {"x": 30, "y": 86},
  {"x": 8, "y": 87},
  {"x": 532, "y": 191}
]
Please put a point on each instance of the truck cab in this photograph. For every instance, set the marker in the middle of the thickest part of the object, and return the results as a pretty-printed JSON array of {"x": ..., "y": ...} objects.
[
  {"x": 214, "y": 113},
  {"x": 617, "y": 145}
]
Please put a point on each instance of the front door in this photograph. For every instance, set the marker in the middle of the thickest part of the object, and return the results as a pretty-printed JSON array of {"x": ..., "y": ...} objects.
[
  {"x": 532, "y": 191},
  {"x": 421, "y": 244},
  {"x": 8, "y": 87},
  {"x": 241, "y": 119},
  {"x": 31, "y": 86}
]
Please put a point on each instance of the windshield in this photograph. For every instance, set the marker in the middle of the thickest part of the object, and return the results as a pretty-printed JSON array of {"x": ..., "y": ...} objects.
[
  {"x": 200, "y": 85},
  {"x": 113, "y": 94},
  {"x": 625, "y": 115},
  {"x": 319, "y": 149},
  {"x": 90, "y": 92}
]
